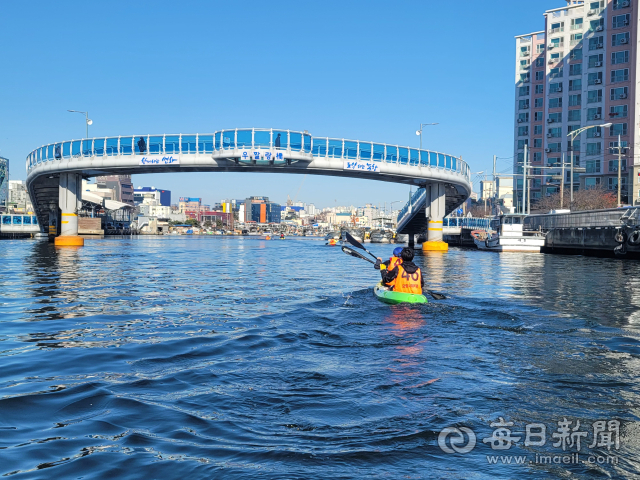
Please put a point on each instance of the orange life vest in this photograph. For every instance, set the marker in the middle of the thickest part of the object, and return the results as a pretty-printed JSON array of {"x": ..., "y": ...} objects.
[
  {"x": 406, "y": 282},
  {"x": 393, "y": 261}
]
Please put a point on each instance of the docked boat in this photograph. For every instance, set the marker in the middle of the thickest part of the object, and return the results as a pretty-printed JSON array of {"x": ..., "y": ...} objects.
[
  {"x": 385, "y": 295},
  {"x": 380, "y": 236},
  {"x": 506, "y": 234}
]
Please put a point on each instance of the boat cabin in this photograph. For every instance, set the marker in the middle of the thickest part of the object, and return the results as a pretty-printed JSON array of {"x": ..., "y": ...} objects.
[{"x": 508, "y": 225}]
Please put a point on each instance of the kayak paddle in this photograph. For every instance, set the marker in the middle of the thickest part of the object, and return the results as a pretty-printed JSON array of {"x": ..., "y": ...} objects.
[
  {"x": 357, "y": 244},
  {"x": 353, "y": 253}
]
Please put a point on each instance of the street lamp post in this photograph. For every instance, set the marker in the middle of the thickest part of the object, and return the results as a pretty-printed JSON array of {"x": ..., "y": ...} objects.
[
  {"x": 419, "y": 132},
  {"x": 573, "y": 135},
  {"x": 86, "y": 117}
]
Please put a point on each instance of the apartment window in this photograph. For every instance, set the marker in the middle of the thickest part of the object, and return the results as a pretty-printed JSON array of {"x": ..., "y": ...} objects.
[
  {"x": 537, "y": 156},
  {"x": 539, "y": 89},
  {"x": 523, "y": 117},
  {"x": 619, "y": 111},
  {"x": 520, "y": 158},
  {"x": 619, "y": 93},
  {"x": 538, "y": 102},
  {"x": 575, "y": 147},
  {"x": 522, "y": 91},
  {"x": 621, "y": 75},
  {"x": 576, "y": 24},
  {"x": 596, "y": 5},
  {"x": 619, "y": 21},
  {"x": 594, "y": 114},
  {"x": 575, "y": 69},
  {"x": 524, "y": 77},
  {"x": 540, "y": 75},
  {"x": 613, "y": 164},
  {"x": 555, "y": 73},
  {"x": 537, "y": 116},
  {"x": 555, "y": 102},
  {"x": 612, "y": 182},
  {"x": 540, "y": 48},
  {"x": 537, "y": 143},
  {"x": 555, "y": 117},
  {"x": 556, "y": 43},
  {"x": 571, "y": 128},
  {"x": 557, "y": 27},
  {"x": 574, "y": 116},
  {"x": 522, "y": 104},
  {"x": 537, "y": 129},
  {"x": 575, "y": 38},
  {"x": 594, "y": 148},
  {"x": 554, "y": 147},
  {"x": 592, "y": 182},
  {"x": 575, "y": 85},
  {"x": 554, "y": 132},
  {"x": 553, "y": 161},
  {"x": 575, "y": 100},
  {"x": 522, "y": 143},
  {"x": 593, "y": 166},
  {"x": 595, "y": 60},
  {"x": 618, "y": 4},
  {"x": 613, "y": 147},
  {"x": 618, "y": 129},
  {"x": 555, "y": 87},
  {"x": 576, "y": 159},
  {"x": 523, "y": 131},
  {"x": 596, "y": 43},
  {"x": 595, "y": 132},
  {"x": 576, "y": 54},
  {"x": 595, "y": 78},
  {"x": 524, "y": 51},
  {"x": 620, "y": 57},
  {"x": 524, "y": 63},
  {"x": 596, "y": 25},
  {"x": 619, "y": 39},
  {"x": 539, "y": 62},
  {"x": 594, "y": 96}
]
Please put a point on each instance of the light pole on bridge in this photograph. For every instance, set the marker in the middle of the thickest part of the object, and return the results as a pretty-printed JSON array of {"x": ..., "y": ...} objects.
[
  {"x": 419, "y": 132},
  {"x": 86, "y": 117}
]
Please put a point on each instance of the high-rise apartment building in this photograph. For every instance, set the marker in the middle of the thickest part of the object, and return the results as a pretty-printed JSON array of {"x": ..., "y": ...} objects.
[
  {"x": 581, "y": 70},
  {"x": 4, "y": 182},
  {"x": 121, "y": 184}
]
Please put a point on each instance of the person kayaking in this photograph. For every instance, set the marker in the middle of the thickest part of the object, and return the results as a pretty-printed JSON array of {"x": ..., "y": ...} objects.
[
  {"x": 392, "y": 262},
  {"x": 405, "y": 277}
]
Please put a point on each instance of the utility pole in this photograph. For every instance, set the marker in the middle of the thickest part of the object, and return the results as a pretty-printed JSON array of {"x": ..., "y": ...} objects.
[
  {"x": 494, "y": 209},
  {"x": 619, "y": 168},
  {"x": 524, "y": 182},
  {"x": 562, "y": 184}
]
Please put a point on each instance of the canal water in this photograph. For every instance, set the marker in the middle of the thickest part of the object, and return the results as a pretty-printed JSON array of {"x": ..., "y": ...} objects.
[{"x": 209, "y": 357}]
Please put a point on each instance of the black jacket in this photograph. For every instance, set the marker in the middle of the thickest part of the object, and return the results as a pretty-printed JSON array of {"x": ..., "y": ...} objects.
[{"x": 389, "y": 276}]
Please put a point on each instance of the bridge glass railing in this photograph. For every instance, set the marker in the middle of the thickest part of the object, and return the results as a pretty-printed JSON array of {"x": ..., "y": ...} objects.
[
  {"x": 415, "y": 198},
  {"x": 248, "y": 138},
  {"x": 19, "y": 220},
  {"x": 467, "y": 222}
]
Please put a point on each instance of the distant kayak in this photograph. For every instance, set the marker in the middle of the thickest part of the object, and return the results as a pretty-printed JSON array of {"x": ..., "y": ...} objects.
[{"x": 385, "y": 295}]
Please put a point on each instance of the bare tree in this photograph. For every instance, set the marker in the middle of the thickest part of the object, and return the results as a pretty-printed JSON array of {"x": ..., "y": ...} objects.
[{"x": 586, "y": 199}]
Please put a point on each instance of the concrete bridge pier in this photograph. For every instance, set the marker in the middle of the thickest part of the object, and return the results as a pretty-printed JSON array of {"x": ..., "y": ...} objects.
[
  {"x": 435, "y": 211},
  {"x": 70, "y": 201}
]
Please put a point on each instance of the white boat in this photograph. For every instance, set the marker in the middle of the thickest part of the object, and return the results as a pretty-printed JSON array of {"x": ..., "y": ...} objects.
[{"x": 507, "y": 235}]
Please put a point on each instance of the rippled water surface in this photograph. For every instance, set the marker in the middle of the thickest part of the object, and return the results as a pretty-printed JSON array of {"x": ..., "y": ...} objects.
[{"x": 188, "y": 357}]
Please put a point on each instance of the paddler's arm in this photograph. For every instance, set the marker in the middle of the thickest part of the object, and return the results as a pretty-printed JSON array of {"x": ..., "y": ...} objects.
[
  {"x": 389, "y": 276},
  {"x": 379, "y": 264}
]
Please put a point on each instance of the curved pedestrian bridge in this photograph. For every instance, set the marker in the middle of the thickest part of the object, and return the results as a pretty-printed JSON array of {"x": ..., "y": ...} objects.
[{"x": 250, "y": 150}]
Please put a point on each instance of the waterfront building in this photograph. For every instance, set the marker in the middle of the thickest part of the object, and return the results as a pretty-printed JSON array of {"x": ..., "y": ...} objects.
[
  {"x": 149, "y": 195},
  {"x": 193, "y": 205},
  {"x": 18, "y": 198},
  {"x": 4, "y": 182},
  {"x": 579, "y": 71},
  {"x": 266, "y": 212},
  {"x": 121, "y": 184}
]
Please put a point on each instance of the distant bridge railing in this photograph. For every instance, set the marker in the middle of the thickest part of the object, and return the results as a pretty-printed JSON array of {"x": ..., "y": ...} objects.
[
  {"x": 467, "y": 222},
  {"x": 250, "y": 139},
  {"x": 18, "y": 223},
  {"x": 416, "y": 199}
]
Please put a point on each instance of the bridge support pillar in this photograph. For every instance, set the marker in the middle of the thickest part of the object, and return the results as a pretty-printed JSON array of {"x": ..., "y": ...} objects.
[
  {"x": 435, "y": 213},
  {"x": 69, "y": 201}
]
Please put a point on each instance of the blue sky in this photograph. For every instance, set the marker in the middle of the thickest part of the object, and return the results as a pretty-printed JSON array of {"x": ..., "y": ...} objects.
[{"x": 369, "y": 70}]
